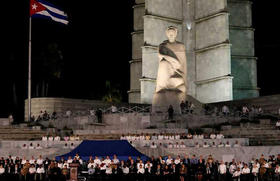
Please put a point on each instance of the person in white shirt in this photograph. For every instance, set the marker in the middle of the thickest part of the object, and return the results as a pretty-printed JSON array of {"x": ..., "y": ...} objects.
[
  {"x": 220, "y": 136},
  {"x": 189, "y": 136},
  {"x": 2, "y": 170},
  {"x": 40, "y": 160},
  {"x": 141, "y": 170},
  {"x": 201, "y": 136},
  {"x": 114, "y": 109},
  {"x": 91, "y": 164},
  {"x": 196, "y": 145},
  {"x": 97, "y": 161},
  {"x": 72, "y": 138},
  {"x": 176, "y": 145},
  {"x": 31, "y": 146},
  {"x": 125, "y": 169},
  {"x": 107, "y": 161},
  {"x": 50, "y": 138},
  {"x": 60, "y": 165},
  {"x": 140, "y": 164},
  {"x": 38, "y": 146},
  {"x": 166, "y": 137},
  {"x": 70, "y": 160},
  {"x": 142, "y": 137},
  {"x": 277, "y": 172},
  {"x": 128, "y": 137},
  {"x": 239, "y": 165},
  {"x": 278, "y": 124},
  {"x": 57, "y": 138},
  {"x": 44, "y": 138},
  {"x": 32, "y": 171},
  {"x": 220, "y": 145},
  {"x": 171, "y": 137},
  {"x": 153, "y": 145},
  {"x": 103, "y": 166},
  {"x": 72, "y": 146},
  {"x": 227, "y": 145},
  {"x": 177, "y": 160},
  {"x": 222, "y": 169},
  {"x": 168, "y": 160},
  {"x": 148, "y": 166},
  {"x": 236, "y": 175},
  {"x": 24, "y": 146},
  {"x": 32, "y": 160},
  {"x": 39, "y": 173},
  {"x": 160, "y": 137},
  {"x": 195, "y": 136},
  {"x": 236, "y": 144},
  {"x": 212, "y": 136},
  {"x": 225, "y": 110},
  {"x": 108, "y": 169},
  {"x": 170, "y": 145},
  {"x": 182, "y": 145},
  {"x": 213, "y": 144},
  {"x": 232, "y": 168},
  {"x": 115, "y": 160},
  {"x": 123, "y": 137},
  {"x": 255, "y": 171},
  {"x": 23, "y": 161},
  {"x": 245, "y": 172},
  {"x": 65, "y": 164},
  {"x": 205, "y": 145},
  {"x": 177, "y": 137}
]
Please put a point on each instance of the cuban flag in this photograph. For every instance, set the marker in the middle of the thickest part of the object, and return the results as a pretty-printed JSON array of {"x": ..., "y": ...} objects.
[{"x": 41, "y": 8}]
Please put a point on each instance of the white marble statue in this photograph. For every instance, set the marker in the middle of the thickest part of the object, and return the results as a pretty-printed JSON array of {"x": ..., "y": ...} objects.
[{"x": 171, "y": 77}]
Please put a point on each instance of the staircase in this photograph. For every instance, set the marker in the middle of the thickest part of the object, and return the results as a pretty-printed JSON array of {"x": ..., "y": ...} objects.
[
  {"x": 14, "y": 133},
  {"x": 269, "y": 104},
  {"x": 258, "y": 134}
]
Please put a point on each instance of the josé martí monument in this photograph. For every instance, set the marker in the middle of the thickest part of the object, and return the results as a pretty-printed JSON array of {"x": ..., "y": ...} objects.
[{"x": 219, "y": 44}]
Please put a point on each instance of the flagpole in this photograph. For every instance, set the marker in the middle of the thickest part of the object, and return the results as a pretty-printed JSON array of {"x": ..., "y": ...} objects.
[{"x": 29, "y": 72}]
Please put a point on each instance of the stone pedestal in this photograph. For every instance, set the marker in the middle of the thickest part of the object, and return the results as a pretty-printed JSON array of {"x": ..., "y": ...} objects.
[{"x": 166, "y": 98}]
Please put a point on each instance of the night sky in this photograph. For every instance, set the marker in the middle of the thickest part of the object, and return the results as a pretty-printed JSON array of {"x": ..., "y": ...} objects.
[{"x": 94, "y": 48}]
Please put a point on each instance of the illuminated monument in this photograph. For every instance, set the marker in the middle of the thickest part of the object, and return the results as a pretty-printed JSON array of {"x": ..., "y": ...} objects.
[{"x": 219, "y": 41}]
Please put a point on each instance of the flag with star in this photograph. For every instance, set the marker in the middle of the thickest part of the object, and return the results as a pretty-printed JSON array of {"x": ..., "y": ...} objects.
[{"x": 43, "y": 9}]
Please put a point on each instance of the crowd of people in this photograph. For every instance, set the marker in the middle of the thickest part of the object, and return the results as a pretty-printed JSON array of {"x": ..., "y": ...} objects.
[
  {"x": 170, "y": 136},
  {"x": 58, "y": 138},
  {"x": 44, "y": 116},
  {"x": 176, "y": 140},
  {"x": 191, "y": 168}
]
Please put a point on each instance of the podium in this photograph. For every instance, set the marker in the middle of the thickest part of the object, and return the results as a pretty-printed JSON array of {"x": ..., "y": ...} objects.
[{"x": 73, "y": 171}]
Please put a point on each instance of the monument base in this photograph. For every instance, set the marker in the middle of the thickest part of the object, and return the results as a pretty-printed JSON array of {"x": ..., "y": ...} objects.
[{"x": 162, "y": 100}]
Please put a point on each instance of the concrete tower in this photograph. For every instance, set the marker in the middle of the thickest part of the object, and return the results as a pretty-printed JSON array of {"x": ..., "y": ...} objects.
[{"x": 219, "y": 42}]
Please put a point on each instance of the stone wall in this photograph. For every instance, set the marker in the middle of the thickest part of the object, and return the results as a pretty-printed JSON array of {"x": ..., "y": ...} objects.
[
  {"x": 243, "y": 62},
  {"x": 49, "y": 149},
  {"x": 245, "y": 153}
]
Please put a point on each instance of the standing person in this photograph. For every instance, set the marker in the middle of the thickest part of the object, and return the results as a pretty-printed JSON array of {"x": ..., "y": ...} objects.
[
  {"x": 183, "y": 172},
  {"x": 222, "y": 169},
  {"x": 255, "y": 172},
  {"x": 99, "y": 115},
  {"x": 170, "y": 112},
  {"x": 191, "y": 107},
  {"x": 183, "y": 107}
]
